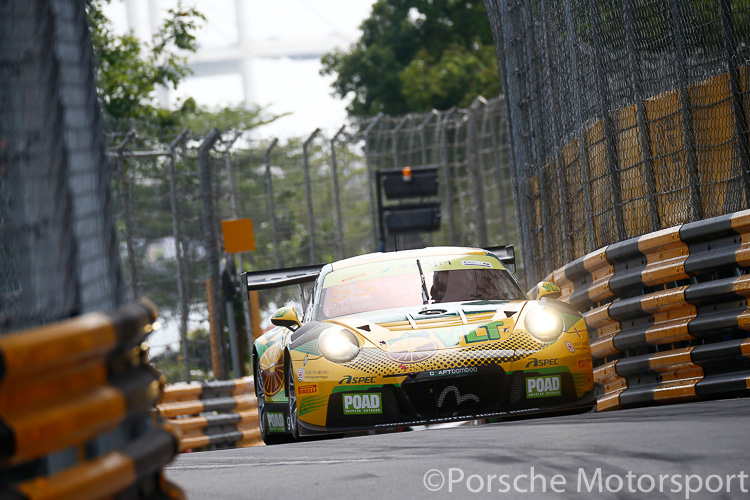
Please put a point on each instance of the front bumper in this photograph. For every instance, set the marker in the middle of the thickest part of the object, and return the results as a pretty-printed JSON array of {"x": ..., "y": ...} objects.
[{"x": 443, "y": 396}]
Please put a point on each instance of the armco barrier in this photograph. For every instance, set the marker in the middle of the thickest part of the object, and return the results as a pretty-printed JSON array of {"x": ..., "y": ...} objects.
[
  {"x": 667, "y": 313},
  {"x": 75, "y": 411},
  {"x": 212, "y": 414}
]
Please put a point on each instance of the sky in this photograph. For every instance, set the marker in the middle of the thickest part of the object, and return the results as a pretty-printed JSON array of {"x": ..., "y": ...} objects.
[{"x": 276, "y": 33}]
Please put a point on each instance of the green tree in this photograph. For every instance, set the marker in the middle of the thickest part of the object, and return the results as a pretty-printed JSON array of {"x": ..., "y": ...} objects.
[{"x": 415, "y": 56}]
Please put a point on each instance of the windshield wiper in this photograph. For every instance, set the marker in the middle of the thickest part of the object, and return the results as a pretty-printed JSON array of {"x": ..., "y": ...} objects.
[{"x": 425, "y": 295}]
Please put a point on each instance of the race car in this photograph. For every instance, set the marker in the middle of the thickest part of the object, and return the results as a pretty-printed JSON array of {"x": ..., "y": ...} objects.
[{"x": 415, "y": 337}]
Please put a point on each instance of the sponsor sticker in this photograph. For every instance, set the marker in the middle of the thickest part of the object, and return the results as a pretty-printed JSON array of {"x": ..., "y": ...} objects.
[
  {"x": 300, "y": 374},
  {"x": 362, "y": 404},
  {"x": 584, "y": 363},
  {"x": 533, "y": 362},
  {"x": 454, "y": 371},
  {"x": 349, "y": 380},
  {"x": 307, "y": 389},
  {"x": 570, "y": 347},
  {"x": 543, "y": 387},
  {"x": 275, "y": 422},
  {"x": 476, "y": 263}
]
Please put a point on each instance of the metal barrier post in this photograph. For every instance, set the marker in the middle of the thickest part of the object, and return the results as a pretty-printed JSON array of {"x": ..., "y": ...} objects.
[
  {"x": 445, "y": 160},
  {"x": 308, "y": 195},
  {"x": 686, "y": 111},
  {"x": 125, "y": 191},
  {"x": 637, "y": 93},
  {"x": 181, "y": 268},
  {"x": 740, "y": 123},
  {"x": 371, "y": 181},
  {"x": 336, "y": 197},
  {"x": 211, "y": 239},
  {"x": 271, "y": 205},
  {"x": 472, "y": 158}
]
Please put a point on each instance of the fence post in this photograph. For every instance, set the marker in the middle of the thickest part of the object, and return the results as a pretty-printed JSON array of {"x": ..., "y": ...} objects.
[
  {"x": 579, "y": 129},
  {"x": 472, "y": 158},
  {"x": 125, "y": 190},
  {"x": 234, "y": 340},
  {"x": 539, "y": 150},
  {"x": 609, "y": 132},
  {"x": 181, "y": 268},
  {"x": 271, "y": 205},
  {"x": 211, "y": 240},
  {"x": 371, "y": 182},
  {"x": 498, "y": 167},
  {"x": 740, "y": 123},
  {"x": 308, "y": 194},
  {"x": 635, "y": 73},
  {"x": 394, "y": 141},
  {"x": 445, "y": 160},
  {"x": 686, "y": 111},
  {"x": 557, "y": 136},
  {"x": 422, "y": 140},
  {"x": 336, "y": 197}
]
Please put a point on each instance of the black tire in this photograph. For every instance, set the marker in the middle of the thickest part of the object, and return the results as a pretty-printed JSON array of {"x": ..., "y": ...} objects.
[{"x": 269, "y": 439}]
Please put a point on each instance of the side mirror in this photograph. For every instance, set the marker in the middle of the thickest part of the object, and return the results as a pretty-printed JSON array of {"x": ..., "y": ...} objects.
[
  {"x": 286, "y": 317},
  {"x": 547, "y": 289}
]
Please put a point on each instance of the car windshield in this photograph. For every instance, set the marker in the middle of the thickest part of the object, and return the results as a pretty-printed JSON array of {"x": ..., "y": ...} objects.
[{"x": 397, "y": 283}]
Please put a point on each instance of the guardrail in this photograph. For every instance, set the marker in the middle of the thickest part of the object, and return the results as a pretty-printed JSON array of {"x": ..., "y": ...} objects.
[
  {"x": 75, "y": 410},
  {"x": 667, "y": 313},
  {"x": 212, "y": 414}
]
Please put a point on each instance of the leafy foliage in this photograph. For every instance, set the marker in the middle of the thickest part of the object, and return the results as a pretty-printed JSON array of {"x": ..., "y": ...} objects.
[{"x": 416, "y": 56}]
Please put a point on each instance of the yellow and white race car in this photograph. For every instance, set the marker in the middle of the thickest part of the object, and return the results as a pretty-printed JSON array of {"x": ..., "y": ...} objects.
[{"x": 415, "y": 337}]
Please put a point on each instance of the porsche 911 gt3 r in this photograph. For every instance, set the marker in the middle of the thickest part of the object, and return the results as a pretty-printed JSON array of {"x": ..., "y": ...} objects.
[{"x": 415, "y": 337}]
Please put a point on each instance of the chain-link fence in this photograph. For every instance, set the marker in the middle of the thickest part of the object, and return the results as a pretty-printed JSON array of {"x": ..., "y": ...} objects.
[
  {"x": 58, "y": 255},
  {"x": 311, "y": 201},
  {"x": 625, "y": 116}
]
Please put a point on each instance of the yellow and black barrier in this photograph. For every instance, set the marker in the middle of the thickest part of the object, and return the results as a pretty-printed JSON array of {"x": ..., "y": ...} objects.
[
  {"x": 215, "y": 414},
  {"x": 76, "y": 400},
  {"x": 667, "y": 313}
]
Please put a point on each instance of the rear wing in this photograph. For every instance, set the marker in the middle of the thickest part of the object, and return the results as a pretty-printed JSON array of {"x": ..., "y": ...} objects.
[
  {"x": 277, "y": 278},
  {"x": 506, "y": 254}
]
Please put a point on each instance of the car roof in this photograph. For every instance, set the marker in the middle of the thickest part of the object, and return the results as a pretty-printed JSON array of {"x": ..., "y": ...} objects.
[{"x": 405, "y": 254}]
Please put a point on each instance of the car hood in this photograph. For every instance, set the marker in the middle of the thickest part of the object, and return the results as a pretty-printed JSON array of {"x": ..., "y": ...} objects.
[{"x": 439, "y": 326}]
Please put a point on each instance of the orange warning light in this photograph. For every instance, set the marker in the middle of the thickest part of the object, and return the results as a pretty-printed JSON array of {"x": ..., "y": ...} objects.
[{"x": 406, "y": 173}]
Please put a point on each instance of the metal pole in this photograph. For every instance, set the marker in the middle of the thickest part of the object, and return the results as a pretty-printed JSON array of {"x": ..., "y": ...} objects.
[
  {"x": 740, "y": 123},
  {"x": 579, "y": 130},
  {"x": 686, "y": 111},
  {"x": 336, "y": 198},
  {"x": 472, "y": 157},
  {"x": 308, "y": 194},
  {"x": 234, "y": 341},
  {"x": 394, "y": 141},
  {"x": 211, "y": 239},
  {"x": 177, "y": 235},
  {"x": 635, "y": 73},
  {"x": 125, "y": 190},
  {"x": 609, "y": 133},
  {"x": 271, "y": 205},
  {"x": 233, "y": 344},
  {"x": 422, "y": 140},
  {"x": 371, "y": 181},
  {"x": 557, "y": 136},
  {"x": 447, "y": 178}
]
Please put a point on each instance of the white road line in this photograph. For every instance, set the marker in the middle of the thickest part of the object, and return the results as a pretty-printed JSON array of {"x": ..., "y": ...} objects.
[{"x": 263, "y": 464}]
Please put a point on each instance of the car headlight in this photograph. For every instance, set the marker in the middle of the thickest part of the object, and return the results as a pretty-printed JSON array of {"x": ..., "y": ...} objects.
[
  {"x": 338, "y": 345},
  {"x": 544, "y": 323}
]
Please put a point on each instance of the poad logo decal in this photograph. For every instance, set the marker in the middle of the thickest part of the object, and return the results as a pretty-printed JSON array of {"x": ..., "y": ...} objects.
[
  {"x": 362, "y": 404},
  {"x": 543, "y": 387},
  {"x": 275, "y": 422}
]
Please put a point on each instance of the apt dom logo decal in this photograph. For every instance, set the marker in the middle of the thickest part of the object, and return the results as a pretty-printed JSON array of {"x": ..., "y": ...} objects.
[
  {"x": 543, "y": 387},
  {"x": 362, "y": 404}
]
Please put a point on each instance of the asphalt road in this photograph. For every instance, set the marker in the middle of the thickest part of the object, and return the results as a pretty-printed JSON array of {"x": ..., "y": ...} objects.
[{"x": 677, "y": 451}]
